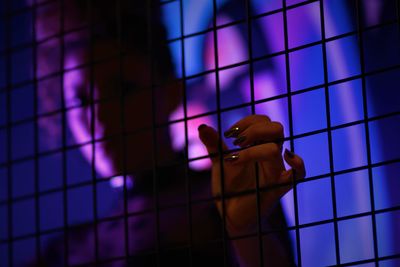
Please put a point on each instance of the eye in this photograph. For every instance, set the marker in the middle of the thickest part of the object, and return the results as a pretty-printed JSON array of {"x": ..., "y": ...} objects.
[
  {"x": 78, "y": 100},
  {"x": 83, "y": 100},
  {"x": 129, "y": 87}
]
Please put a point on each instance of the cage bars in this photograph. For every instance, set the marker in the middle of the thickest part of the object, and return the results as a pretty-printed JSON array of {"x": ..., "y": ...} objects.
[
  {"x": 253, "y": 111},
  {"x": 291, "y": 132},
  {"x": 186, "y": 134},
  {"x": 366, "y": 124},
  {"x": 36, "y": 144},
  {"x": 219, "y": 129},
  {"x": 154, "y": 132},
  {"x": 64, "y": 140},
  {"x": 92, "y": 130},
  {"x": 157, "y": 209},
  {"x": 329, "y": 132},
  {"x": 9, "y": 136}
]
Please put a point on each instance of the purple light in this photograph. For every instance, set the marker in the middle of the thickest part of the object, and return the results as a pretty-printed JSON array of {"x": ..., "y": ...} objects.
[
  {"x": 177, "y": 133},
  {"x": 118, "y": 182}
]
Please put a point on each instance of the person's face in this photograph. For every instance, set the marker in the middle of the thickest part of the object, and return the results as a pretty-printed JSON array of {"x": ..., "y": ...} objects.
[{"x": 122, "y": 103}]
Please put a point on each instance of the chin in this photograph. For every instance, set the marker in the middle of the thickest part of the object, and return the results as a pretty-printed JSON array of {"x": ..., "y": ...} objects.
[{"x": 112, "y": 158}]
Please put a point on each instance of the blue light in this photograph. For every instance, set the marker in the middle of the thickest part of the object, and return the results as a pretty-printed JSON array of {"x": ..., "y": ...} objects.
[{"x": 309, "y": 114}]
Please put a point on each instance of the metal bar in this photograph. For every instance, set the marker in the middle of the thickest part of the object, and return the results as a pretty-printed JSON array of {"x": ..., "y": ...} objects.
[
  {"x": 91, "y": 53},
  {"x": 36, "y": 142},
  {"x": 291, "y": 133},
  {"x": 9, "y": 137},
  {"x": 253, "y": 111},
  {"x": 367, "y": 136},
  {"x": 329, "y": 131},
  {"x": 185, "y": 120},
  {"x": 154, "y": 132},
  {"x": 64, "y": 138},
  {"x": 219, "y": 122},
  {"x": 118, "y": 14}
]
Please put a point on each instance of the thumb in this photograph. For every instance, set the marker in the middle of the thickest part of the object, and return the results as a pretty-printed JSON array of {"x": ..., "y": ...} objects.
[{"x": 210, "y": 138}]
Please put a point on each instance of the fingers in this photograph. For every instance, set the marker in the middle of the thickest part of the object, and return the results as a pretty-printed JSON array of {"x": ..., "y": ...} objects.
[
  {"x": 263, "y": 152},
  {"x": 244, "y": 123},
  {"x": 260, "y": 133},
  {"x": 297, "y": 170},
  {"x": 270, "y": 152},
  {"x": 255, "y": 129},
  {"x": 209, "y": 137}
]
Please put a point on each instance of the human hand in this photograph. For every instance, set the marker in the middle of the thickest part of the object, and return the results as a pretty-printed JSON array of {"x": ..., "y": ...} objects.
[{"x": 260, "y": 141}]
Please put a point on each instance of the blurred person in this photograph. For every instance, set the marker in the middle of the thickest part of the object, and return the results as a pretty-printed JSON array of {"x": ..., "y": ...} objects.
[{"x": 114, "y": 94}]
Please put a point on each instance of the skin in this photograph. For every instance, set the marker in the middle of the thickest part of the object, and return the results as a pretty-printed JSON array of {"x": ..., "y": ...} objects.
[
  {"x": 136, "y": 111},
  {"x": 239, "y": 174}
]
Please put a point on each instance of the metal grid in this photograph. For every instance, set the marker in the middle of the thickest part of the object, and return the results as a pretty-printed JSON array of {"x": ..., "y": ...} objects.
[{"x": 10, "y": 86}]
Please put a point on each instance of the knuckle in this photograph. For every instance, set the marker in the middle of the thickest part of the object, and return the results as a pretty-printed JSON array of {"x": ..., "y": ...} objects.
[
  {"x": 247, "y": 154},
  {"x": 301, "y": 161},
  {"x": 272, "y": 151},
  {"x": 302, "y": 164},
  {"x": 279, "y": 127},
  {"x": 263, "y": 117},
  {"x": 258, "y": 131},
  {"x": 275, "y": 150}
]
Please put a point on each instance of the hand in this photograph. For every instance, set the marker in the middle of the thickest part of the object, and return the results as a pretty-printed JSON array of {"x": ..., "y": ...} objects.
[{"x": 261, "y": 142}]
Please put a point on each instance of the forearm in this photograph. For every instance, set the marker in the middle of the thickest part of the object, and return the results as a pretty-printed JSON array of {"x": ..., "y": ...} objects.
[
  {"x": 247, "y": 250},
  {"x": 275, "y": 244}
]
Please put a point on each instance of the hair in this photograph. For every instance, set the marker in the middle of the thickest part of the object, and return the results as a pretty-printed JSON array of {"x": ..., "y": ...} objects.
[{"x": 130, "y": 22}]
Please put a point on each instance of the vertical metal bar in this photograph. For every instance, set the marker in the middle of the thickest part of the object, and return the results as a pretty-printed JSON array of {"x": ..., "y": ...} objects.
[
  {"x": 329, "y": 130},
  {"x": 220, "y": 150},
  {"x": 291, "y": 134},
  {"x": 253, "y": 111},
  {"x": 185, "y": 115},
  {"x": 118, "y": 16},
  {"x": 91, "y": 64},
  {"x": 398, "y": 15},
  {"x": 8, "y": 128},
  {"x": 36, "y": 136},
  {"x": 64, "y": 138},
  {"x": 154, "y": 129},
  {"x": 365, "y": 119}
]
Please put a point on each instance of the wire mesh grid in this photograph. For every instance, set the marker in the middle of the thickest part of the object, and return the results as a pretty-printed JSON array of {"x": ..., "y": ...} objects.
[{"x": 336, "y": 64}]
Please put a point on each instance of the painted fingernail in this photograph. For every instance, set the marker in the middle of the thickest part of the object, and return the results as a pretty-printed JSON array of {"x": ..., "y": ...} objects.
[
  {"x": 239, "y": 140},
  {"x": 202, "y": 126},
  {"x": 289, "y": 153},
  {"x": 232, "y": 157},
  {"x": 233, "y": 132}
]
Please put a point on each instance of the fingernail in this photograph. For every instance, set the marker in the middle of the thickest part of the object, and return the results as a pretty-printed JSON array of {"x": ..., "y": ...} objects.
[
  {"x": 233, "y": 132},
  {"x": 289, "y": 153},
  {"x": 239, "y": 140},
  {"x": 201, "y": 127},
  {"x": 232, "y": 157}
]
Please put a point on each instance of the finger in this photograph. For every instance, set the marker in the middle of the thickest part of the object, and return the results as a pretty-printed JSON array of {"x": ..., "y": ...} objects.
[
  {"x": 263, "y": 152},
  {"x": 244, "y": 123},
  {"x": 286, "y": 178},
  {"x": 209, "y": 137},
  {"x": 260, "y": 133},
  {"x": 296, "y": 163}
]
